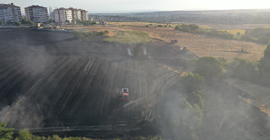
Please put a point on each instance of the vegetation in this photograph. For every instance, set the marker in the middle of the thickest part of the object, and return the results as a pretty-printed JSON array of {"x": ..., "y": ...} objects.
[
  {"x": 129, "y": 37},
  {"x": 141, "y": 138},
  {"x": 263, "y": 39},
  {"x": 258, "y": 35},
  {"x": 82, "y": 35},
  {"x": 192, "y": 85},
  {"x": 255, "y": 72},
  {"x": 5, "y": 133},
  {"x": 2, "y": 22},
  {"x": 209, "y": 67},
  {"x": 24, "y": 21},
  {"x": 31, "y": 23},
  {"x": 159, "y": 26},
  {"x": 193, "y": 28},
  {"x": 17, "y": 23}
]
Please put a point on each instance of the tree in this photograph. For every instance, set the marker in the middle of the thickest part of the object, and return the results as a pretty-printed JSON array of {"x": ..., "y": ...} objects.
[
  {"x": 5, "y": 133},
  {"x": 78, "y": 21},
  {"x": 192, "y": 85},
  {"x": 209, "y": 67},
  {"x": 263, "y": 39},
  {"x": 94, "y": 22},
  {"x": 25, "y": 135},
  {"x": 2, "y": 22},
  {"x": 24, "y": 21},
  {"x": 267, "y": 52},
  {"x": 17, "y": 23},
  {"x": 8, "y": 22},
  {"x": 31, "y": 23}
]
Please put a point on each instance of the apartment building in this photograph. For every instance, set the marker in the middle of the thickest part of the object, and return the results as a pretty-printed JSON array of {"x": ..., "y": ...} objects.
[
  {"x": 84, "y": 15},
  {"x": 61, "y": 15},
  {"x": 36, "y": 14},
  {"x": 10, "y": 13},
  {"x": 79, "y": 14}
]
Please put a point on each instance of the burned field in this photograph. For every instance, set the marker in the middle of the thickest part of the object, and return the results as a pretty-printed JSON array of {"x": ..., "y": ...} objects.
[{"x": 50, "y": 80}]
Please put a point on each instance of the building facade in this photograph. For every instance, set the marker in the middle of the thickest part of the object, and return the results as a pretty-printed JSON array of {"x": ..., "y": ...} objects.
[
  {"x": 79, "y": 14},
  {"x": 84, "y": 15},
  {"x": 62, "y": 15},
  {"x": 10, "y": 13},
  {"x": 36, "y": 14}
]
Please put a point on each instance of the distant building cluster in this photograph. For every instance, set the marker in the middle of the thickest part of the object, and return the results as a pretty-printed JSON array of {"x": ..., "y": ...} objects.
[
  {"x": 10, "y": 13},
  {"x": 63, "y": 15},
  {"x": 39, "y": 14}
]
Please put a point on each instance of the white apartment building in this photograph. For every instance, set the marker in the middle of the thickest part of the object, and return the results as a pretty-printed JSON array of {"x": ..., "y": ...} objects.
[
  {"x": 61, "y": 15},
  {"x": 84, "y": 15},
  {"x": 36, "y": 14},
  {"x": 10, "y": 13},
  {"x": 78, "y": 14}
]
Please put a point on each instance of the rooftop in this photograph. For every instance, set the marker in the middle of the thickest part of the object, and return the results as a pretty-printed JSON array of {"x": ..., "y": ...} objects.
[
  {"x": 35, "y": 6},
  {"x": 7, "y": 5}
]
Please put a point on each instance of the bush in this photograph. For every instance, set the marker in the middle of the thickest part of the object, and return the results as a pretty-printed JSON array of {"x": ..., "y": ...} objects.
[
  {"x": 31, "y": 23},
  {"x": 147, "y": 26},
  {"x": 192, "y": 85},
  {"x": 5, "y": 133},
  {"x": 209, "y": 67},
  {"x": 177, "y": 28},
  {"x": 78, "y": 35},
  {"x": 243, "y": 69},
  {"x": 193, "y": 27},
  {"x": 247, "y": 38},
  {"x": 105, "y": 32},
  {"x": 263, "y": 39},
  {"x": 17, "y": 23},
  {"x": 159, "y": 26},
  {"x": 25, "y": 135}
]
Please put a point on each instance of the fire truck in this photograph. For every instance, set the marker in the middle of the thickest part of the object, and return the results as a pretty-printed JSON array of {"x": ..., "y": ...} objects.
[{"x": 125, "y": 94}]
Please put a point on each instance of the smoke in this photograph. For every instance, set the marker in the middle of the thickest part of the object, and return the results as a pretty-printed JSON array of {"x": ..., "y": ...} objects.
[
  {"x": 20, "y": 114},
  {"x": 129, "y": 52},
  {"x": 175, "y": 117}
]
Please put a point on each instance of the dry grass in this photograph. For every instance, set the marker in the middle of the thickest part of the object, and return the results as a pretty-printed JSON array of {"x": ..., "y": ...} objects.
[
  {"x": 201, "y": 45},
  {"x": 204, "y": 27},
  {"x": 234, "y": 31},
  {"x": 129, "y": 37}
]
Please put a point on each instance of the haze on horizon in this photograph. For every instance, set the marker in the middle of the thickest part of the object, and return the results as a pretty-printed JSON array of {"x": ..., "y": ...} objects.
[{"x": 111, "y": 6}]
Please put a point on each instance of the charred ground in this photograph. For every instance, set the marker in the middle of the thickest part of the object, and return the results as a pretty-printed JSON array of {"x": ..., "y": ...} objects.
[{"x": 49, "y": 79}]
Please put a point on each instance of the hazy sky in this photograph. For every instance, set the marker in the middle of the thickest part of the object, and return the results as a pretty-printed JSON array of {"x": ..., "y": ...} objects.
[{"x": 96, "y": 6}]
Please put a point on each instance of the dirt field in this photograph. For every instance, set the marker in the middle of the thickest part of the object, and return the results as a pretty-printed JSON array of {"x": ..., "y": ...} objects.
[
  {"x": 201, "y": 45},
  {"x": 48, "y": 79}
]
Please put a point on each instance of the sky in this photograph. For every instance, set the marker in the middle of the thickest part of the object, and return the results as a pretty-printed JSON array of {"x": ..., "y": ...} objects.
[{"x": 111, "y": 6}]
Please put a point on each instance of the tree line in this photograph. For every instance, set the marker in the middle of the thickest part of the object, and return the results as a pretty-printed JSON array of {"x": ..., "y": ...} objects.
[{"x": 257, "y": 35}]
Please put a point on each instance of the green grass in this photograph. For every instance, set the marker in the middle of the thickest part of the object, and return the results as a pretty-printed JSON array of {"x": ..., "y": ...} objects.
[{"x": 129, "y": 37}]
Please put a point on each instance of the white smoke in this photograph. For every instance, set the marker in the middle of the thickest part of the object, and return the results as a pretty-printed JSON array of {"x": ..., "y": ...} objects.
[{"x": 129, "y": 52}]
